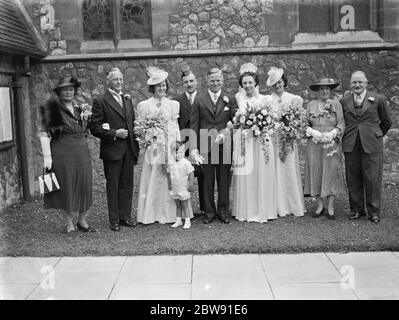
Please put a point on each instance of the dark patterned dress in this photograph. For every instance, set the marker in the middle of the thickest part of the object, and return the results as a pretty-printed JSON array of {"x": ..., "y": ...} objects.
[{"x": 71, "y": 160}]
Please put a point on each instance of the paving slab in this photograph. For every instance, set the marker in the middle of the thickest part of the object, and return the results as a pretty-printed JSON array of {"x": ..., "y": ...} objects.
[
  {"x": 228, "y": 262},
  {"x": 77, "y": 285},
  {"x": 25, "y": 270},
  {"x": 92, "y": 264},
  {"x": 156, "y": 269},
  {"x": 365, "y": 260},
  {"x": 233, "y": 285},
  {"x": 164, "y": 291},
  {"x": 16, "y": 291},
  {"x": 373, "y": 284},
  {"x": 312, "y": 291},
  {"x": 308, "y": 267}
]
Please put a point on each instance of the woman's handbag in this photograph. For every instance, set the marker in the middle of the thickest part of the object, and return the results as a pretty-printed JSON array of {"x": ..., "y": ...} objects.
[{"x": 48, "y": 183}]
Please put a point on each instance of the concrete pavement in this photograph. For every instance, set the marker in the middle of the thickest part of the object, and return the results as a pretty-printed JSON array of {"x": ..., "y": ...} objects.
[{"x": 353, "y": 276}]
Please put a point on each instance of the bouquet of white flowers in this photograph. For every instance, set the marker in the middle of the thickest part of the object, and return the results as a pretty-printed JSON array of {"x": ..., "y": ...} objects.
[{"x": 150, "y": 130}]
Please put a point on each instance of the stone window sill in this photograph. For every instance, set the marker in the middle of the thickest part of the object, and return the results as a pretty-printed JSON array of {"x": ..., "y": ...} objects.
[
  {"x": 109, "y": 46},
  {"x": 349, "y": 37}
]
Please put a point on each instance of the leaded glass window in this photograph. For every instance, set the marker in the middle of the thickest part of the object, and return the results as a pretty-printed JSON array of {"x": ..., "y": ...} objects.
[
  {"x": 97, "y": 20},
  {"x": 136, "y": 19}
]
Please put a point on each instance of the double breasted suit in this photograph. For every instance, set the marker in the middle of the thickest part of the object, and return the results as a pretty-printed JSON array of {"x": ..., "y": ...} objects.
[
  {"x": 119, "y": 155},
  {"x": 362, "y": 143},
  {"x": 206, "y": 121}
]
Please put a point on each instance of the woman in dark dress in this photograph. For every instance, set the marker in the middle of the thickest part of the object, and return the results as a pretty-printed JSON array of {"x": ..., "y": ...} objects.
[{"x": 65, "y": 151}]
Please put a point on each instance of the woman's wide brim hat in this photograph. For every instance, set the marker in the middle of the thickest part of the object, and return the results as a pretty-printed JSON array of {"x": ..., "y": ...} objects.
[
  {"x": 275, "y": 75},
  {"x": 156, "y": 75},
  {"x": 67, "y": 81},
  {"x": 324, "y": 82}
]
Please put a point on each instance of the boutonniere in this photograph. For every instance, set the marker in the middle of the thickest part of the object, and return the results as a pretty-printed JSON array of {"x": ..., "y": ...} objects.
[
  {"x": 127, "y": 96},
  {"x": 371, "y": 99},
  {"x": 225, "y": 99},
  {"x": 226, "y": 109}
]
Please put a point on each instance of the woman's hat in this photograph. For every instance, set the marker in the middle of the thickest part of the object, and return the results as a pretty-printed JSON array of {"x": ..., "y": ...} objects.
[
  {"x": 324, "y": 82},
  {"x": 66, "y": 82},
  {"x": 275, "y": 75},
  {"x": 156, "y": 75}
]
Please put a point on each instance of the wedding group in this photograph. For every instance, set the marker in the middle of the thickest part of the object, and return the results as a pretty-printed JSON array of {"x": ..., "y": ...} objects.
[{"x": 246, "y": 145}]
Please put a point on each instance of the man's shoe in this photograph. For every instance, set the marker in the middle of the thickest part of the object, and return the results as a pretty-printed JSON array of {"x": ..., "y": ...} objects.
[
  {"x": 127, "y": 223},
  {"x": 115, "y": 227},
  {"x": 375, "y": 219},
  {"x": 354, "y": 215},
  {"x": 318, "y": 215},
  {"x": 208, "y": 220},
  {"x": 225, "y": 221}
]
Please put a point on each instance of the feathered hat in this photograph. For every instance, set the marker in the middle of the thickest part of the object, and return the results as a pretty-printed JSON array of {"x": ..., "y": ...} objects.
[
  {"x": 275, "y": 75},
  {"x": 156, "y": 75}
]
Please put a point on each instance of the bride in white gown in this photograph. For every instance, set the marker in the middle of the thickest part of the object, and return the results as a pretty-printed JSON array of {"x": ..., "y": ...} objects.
[
  {"x": 155, "y": 203},
  {"x": 254, "y": 177}
]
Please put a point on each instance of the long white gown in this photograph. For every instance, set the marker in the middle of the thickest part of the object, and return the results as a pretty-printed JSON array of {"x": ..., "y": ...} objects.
[
  {"x": 155, "y": 203},
  {"x": 254, "y": 180},
  {"x": 290, "y": 198}
]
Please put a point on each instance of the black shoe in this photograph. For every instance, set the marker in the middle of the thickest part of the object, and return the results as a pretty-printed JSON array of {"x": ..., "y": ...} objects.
[
  {"x": 330, "y": 216},
  {"x": 225, "y": 221},
  {"x": 354, "y": 216},
  {"x": 318, "y": 215},
  {"x": 127, "y": 223},
  {"x": 115, "y": 227},
  {"x": 208, "y": 220},
  {"x": 88, "y": 229},
  {"x": 375, "y": 219}
]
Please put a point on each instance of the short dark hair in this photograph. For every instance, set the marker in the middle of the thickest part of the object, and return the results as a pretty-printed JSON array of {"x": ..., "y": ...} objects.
[
  {"x": 151, "y": 88},
  {"x": 285, "y": 79},
  {"x": 250, "y": 74},
  {"x": 186, "y": 73}
]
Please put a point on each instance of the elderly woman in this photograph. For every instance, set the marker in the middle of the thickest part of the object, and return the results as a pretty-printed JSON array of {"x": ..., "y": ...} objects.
[
  {"x": 66, "y": 152},
  {"x": 155, "y": 203},
  {"x": 288, "y": 176},
  {"x": 323, "y": 170}
]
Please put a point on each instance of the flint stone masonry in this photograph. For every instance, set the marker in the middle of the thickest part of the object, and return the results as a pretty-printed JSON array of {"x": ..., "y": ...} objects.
[{"x": 302, "y": 70}]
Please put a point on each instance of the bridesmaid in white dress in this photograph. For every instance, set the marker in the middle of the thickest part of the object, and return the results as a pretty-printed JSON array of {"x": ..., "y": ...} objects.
[
  {"x": 254, "y": 179},
  {"x": 290, "y": 198},
  {"x": 155, "y": 203}
]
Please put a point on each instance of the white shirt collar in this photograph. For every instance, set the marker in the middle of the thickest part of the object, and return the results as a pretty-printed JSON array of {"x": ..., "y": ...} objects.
[
  {"x": 114, "y": 93},
  {"x": 192, "y": 94},
  {"x": 212, "y": 94},
  {"x": 362, "y": 95}
]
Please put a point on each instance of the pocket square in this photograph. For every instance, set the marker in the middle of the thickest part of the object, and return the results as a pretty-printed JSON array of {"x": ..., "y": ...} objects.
[{"x": 226, "y": 109}]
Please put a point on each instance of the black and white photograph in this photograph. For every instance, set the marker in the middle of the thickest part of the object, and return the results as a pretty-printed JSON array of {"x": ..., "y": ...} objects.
[{"x": 199, "y": 155}]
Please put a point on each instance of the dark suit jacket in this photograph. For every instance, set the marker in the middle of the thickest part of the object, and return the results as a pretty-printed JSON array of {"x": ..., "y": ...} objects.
[
  {"x": 203, "y": 118},
  {"x": 185, "y": 111},
  {"x": 107, "y": 110},
  {"x": 373, "y": 123}
]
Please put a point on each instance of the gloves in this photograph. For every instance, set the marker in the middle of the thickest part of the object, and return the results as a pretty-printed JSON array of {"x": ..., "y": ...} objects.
[
  {"x": 331, "y": 135},
  {"x": 220, "y": 138},
  {"x": 313, "y": 133},
  {"x": 197, "y": 157},
  {"x": 45, "y": 143}
]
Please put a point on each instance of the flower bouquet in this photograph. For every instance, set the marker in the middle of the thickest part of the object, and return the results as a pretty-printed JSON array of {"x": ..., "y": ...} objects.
[
  {"x": 150, "y": 130},
  {"x": 255, "y": 120},
  {"x": 290, "y": 125}
]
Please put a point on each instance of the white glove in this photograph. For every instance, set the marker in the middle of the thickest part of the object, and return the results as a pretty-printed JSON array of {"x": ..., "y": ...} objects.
[
  {"x": 45, "y": 143},
  {"x": 332, "y": 134},
  {"x": 197, "y": 157},
  {"x": 105, "y": 126},
  {"x": 313, "y": 133}
]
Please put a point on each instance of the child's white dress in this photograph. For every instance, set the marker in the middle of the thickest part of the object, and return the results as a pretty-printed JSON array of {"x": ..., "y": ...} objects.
[{"x": 179, "y": 173}]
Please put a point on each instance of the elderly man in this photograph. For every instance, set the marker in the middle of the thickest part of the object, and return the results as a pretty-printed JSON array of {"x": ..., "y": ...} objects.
[
  {"x": 211, "y": 112},
  {"x": 367, "y": 121},
  {"x": 112, "y": 122}
]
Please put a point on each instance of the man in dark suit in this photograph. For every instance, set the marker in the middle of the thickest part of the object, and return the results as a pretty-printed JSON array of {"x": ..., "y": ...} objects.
[
  {"x": 211, "y": 112},
  {"x": 112, "y": 122},
  {"x": 186, "y": 100},
  {"x": 367, "y": 121}
]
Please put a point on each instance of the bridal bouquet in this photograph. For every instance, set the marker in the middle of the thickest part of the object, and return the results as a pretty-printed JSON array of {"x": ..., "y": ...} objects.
[
  {"x": 150, "y": 130},
  {"x": 254, "y": 120},
  {"x": 290, "y": 125}
]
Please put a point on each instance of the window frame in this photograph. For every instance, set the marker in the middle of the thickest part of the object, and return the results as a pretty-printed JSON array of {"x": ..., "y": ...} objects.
[{"x": 4, "y": 145}]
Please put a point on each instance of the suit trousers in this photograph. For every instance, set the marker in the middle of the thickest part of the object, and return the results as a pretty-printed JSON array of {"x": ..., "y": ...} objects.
[
  {"x": 119, "y": 176},
  {"x": 222, "y": 174},
  {"x": 364, "y": 178}
]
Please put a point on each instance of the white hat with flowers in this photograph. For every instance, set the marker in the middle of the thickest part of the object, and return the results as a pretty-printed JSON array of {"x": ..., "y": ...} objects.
[{"x": 156, "y": 75}]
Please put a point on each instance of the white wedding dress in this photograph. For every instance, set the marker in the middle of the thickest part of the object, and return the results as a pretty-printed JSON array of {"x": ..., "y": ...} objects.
[
  {"x": 254, "y": 180},
  {"x": 155, "y": 203}
]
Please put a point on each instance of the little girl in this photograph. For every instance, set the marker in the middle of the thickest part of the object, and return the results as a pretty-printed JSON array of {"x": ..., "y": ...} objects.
[{"x": 181, "y": 181}]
